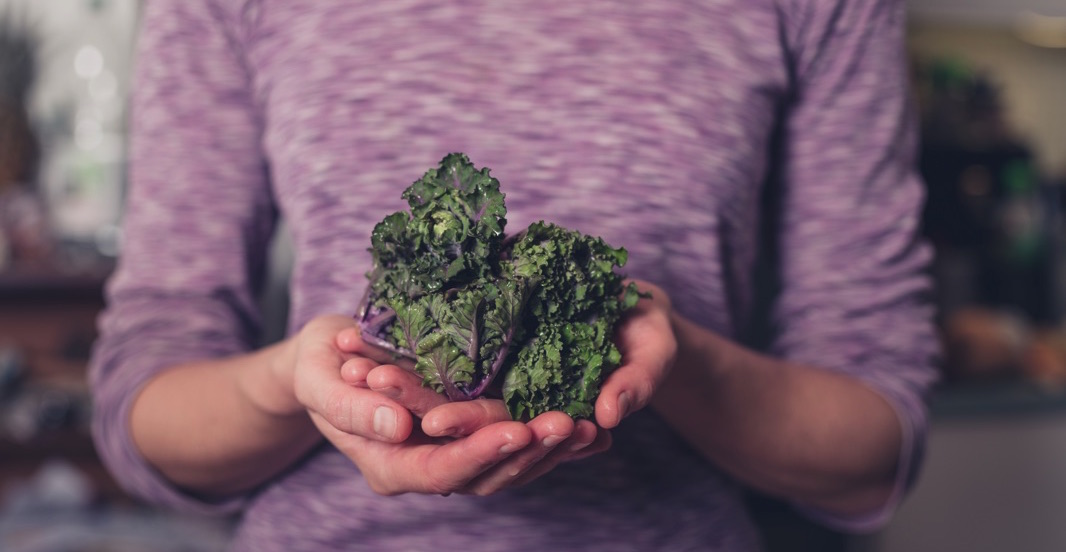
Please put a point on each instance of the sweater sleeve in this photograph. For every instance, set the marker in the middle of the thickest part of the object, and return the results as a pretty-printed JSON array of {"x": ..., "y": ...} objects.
[
  {"x": 198, "y": 220},
  {"x": 856, "y": 296}
]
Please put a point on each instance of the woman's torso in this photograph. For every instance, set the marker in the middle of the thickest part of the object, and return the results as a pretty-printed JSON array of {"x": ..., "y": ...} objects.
[{"x": 646, "y": 123}]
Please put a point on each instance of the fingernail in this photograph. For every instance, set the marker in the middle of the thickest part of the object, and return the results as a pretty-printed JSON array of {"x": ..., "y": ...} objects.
[
  {"x": 552, "y": 440},
  {"x": 509, "y": 448},
  {"x": 385, "y": 422},
  {"x": 623, "y": 405},
  {"x": 578, "y": 446},
  {"x": 450, "y": 431},
  {"x": 390, "y": 392}
]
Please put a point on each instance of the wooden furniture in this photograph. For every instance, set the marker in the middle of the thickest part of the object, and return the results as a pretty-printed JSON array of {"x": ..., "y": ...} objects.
[{"x": 48, "y": 319}]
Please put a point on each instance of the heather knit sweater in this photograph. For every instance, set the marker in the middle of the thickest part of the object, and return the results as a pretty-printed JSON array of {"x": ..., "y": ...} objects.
[{"x": 662, "y": 126}]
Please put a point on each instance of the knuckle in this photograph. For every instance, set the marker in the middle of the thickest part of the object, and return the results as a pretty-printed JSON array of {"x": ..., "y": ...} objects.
[
  {"x": 320, "y": 323},
  {"x": 339, "y": 409},
  {"x": 300, "y": 391},
  {"x": 492, "y": 411},
  {"x": 643, "y": 387},
  {"x": 436, "y": 483},
  {"x": 381, "y": 488}
]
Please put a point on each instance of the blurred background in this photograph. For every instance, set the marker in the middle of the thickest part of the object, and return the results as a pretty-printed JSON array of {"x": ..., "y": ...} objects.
[{"x": 989, "y": 77}]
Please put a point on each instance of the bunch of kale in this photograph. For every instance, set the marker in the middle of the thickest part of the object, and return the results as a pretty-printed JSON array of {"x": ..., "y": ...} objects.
[{"x": 526, "y": 317}]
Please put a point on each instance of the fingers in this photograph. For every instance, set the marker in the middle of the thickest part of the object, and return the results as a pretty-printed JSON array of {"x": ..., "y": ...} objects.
[
  {"x": 627, "y": 390},
  {"x": 473, "y": 446},
  {"x": 630, "y": 387},
  {"x": 456, "y": 419},
  {"x": 600, "y": 441},
  {"x": 586, "y": 440},
  {"x": 554, "y": 438},
  {"x": 448, "y": 468},
  {"x": 648, "y": 345},
  {"x": 365, "y": 413},
  {"x": 406, "y": 388},
  {"x": 549, "y": 432},
  {"x": 352, "y": 409},
  {"x": 494, "y": 457},
  {"x": 355, "y": 370},
  {"x": 350, "y": 341}
]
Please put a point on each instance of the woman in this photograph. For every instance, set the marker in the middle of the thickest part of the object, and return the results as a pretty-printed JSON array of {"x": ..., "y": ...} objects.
[{"x": 660, "y": 126}]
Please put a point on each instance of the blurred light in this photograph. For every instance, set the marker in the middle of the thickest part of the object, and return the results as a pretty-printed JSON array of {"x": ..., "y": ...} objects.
[
  {"x": 976, "y": 181},
  {"x": 88, "y": 134},
  {"x": 1043, "y": 31},
  {"x": 103, "y": 87},
  {"x": 108, "y": 240},
  {"x": 88, "y": 62}
]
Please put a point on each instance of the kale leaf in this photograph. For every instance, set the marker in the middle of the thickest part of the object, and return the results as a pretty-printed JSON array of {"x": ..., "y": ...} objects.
[{"x": 526, "y": 317}]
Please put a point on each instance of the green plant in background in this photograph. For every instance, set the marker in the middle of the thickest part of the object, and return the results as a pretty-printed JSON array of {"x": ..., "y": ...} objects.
[{"x": 1023, "y": 227}]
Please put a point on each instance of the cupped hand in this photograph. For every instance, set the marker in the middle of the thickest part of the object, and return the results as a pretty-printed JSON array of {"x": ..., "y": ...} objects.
[
  {"x": 554, "y": 437},
  {"x": 318, "y": 388},
  {"x": 368, "y": 406},
  {"x": 646, "y": 339}
]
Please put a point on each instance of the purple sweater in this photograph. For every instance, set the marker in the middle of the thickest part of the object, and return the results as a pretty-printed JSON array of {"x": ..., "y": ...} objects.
[{"x": 654, "y": 124}]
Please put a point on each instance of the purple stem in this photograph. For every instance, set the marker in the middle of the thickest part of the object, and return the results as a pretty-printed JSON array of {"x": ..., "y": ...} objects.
[
  {"x": 497, "y": 365},
  {"x": 371, "y": 321},
  {"x": 452, "y": 390}
]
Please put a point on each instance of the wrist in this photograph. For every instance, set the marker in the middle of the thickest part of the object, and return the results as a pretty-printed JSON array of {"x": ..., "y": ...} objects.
[
  {"x": 699, "y": 349},
  {"x": 268, "y": 384}
]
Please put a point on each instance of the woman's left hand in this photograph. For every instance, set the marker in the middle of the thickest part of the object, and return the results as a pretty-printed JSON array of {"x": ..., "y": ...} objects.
[{"x": 648, "y": 345}]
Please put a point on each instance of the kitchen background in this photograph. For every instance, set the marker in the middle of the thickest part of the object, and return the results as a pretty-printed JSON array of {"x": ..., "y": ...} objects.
[{"x": 989, "y": 75}]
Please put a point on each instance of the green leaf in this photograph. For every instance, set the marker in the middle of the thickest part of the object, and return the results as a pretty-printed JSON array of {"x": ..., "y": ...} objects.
[
  {"x": 536, "y": 311},
  {"x": 412, "y": 322}
]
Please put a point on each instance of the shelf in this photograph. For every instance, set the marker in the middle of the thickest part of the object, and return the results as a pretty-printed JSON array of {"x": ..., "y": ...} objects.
[
  {"x": 1000, "y": 399},
  {"x": 70, "y": 444},
  {"x": 986, "y": 12},
  {"x": 43, "y": 285}
]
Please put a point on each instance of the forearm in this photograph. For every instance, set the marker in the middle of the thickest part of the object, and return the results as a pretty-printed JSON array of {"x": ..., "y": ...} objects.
[
  {"x": 789, "y": 430},
  {"x": 222, "y": 426}
]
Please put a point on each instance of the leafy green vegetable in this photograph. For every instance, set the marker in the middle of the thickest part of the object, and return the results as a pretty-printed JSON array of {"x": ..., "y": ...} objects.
[{"x": 527, "y": 317}]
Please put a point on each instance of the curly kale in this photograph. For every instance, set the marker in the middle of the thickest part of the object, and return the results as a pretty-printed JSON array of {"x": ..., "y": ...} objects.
[{"x": 527, "y": 317}]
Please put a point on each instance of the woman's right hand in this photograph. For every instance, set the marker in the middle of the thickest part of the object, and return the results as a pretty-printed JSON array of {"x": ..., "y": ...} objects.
[{"x": 368, "y": 407}]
